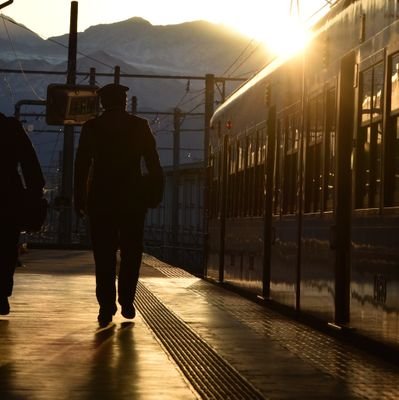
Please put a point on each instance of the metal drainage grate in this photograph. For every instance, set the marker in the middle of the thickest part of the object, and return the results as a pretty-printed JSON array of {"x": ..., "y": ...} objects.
[
  {"x": 166, "y": 269},
  {"x": 209, "y": 374}
]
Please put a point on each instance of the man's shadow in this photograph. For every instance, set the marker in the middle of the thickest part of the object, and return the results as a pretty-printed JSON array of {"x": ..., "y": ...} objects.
[
  {"x": 114, "y": 371},
  {"x": 8, "y": 386}
]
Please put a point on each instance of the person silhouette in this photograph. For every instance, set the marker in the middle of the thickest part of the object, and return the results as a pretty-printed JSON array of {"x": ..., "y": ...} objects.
[
  {"x": 20, "y": 172},
  {"x": 109, "y": 189}
]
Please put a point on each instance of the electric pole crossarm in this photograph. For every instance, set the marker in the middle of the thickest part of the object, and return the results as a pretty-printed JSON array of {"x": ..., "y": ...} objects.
[
  {"x": 20, "y": 103},
  {"x": 108, "y": 74}
]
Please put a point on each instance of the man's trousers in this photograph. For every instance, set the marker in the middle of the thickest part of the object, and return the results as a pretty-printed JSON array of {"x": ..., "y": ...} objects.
[{"x": 110, "y": 233}]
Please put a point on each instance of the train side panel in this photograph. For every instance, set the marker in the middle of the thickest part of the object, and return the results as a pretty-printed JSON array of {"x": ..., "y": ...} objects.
[
  {"x": 375, "y": 276},
  {"x": 328, "y": 244}
]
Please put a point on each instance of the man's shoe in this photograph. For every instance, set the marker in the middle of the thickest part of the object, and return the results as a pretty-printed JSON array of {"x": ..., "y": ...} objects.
[
  {"x": 4, "y": 306},
  {"x": 104, "y": 319},
  {"x": 128, "y": 311},
  {"x": 105, "y": 316}
]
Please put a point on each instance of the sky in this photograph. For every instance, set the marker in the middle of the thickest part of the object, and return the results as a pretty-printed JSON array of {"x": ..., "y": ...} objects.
[{"x": 258, "y": 19}]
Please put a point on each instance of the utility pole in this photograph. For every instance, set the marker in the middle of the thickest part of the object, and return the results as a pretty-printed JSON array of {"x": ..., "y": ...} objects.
[
  {"x": 209, "y": 102},
  {"x": 92, "y": 76},
  {"x": 134, "y": 105},
  {"x": 117, "y": 74},
  {"x": 175, "y": 186},
  {"x": 65, "y": 227}
]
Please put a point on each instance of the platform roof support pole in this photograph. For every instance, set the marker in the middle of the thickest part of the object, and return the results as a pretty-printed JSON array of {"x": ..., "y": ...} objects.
[{"x": 65, "y": 225}]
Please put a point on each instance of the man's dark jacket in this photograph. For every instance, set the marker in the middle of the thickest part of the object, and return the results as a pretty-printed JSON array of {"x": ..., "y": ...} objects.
[
  {"x": 19, "y": 168},
  {"x": 108, "y": 173}
]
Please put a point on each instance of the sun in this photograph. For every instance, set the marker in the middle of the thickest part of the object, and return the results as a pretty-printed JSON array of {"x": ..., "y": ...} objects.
[
  {"x": 287, "y": 38},
  {"x": 282, "y": 34}
]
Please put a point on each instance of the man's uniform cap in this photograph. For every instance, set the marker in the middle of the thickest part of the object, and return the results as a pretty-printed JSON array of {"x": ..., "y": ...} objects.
[{"x": 112, "y": 89}]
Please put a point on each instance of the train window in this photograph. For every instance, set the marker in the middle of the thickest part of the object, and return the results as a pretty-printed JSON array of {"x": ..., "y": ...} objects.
[
  {"x": 212, "y": 189},
  {"x": 329, "y": 151},
  {"x": 368, "y": 169},
  {"x": 229, "y": 181},
  {"x": 278, "y": 167},
  {"x": 367, "y": 96},
  {"x": 232, "y": 180},
  {"x": 372, "y": 86},
  {"x": 290, "y": 183},
  {"x": 391, "y": 182},
  {"x": 260, "y": 171},
  {"x": 219, "y": 182},
  {"x": 392, "y": 164},
  {"x": 241, "y": 155},
  {"x": 251, "y": 150},
  {"x": 369, "y": 139},
  {"x": 250, "y": 173},
  {"x": 240, "y": 187},
  {"x": 314, "y": 170},
  {"x": 378, "y": 90},
  {"x": 395, "y": 84},
  {"x": 261, "y": 146},
  {"x": 215, "y": 171},
  {"x": 215, "y": 187}
]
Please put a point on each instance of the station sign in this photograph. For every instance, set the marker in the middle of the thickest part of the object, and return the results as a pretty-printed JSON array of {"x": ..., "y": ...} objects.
[{"x": 71, "y": 104}]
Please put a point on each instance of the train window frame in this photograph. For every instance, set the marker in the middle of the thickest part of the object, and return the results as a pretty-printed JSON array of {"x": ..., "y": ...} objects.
[
  {"x": 212, "y": 188},
  {"x": 243, "y": 142},
  {"x": 394, "y": 109},
  {"x": 314, "y": 168},
  {"x": 250, "y": 171},
  {"x": 261, "y": 146},
  {"x": 320, "y": 151},
  {"x": 278, "y": 167},
  {"x": 391, "y": 147},
  {"x": 286, "y": 177},
  {"x": 370, "y": 138},
  {"x": 232, "y": 211},
  {"x": 330, "y": 149}
]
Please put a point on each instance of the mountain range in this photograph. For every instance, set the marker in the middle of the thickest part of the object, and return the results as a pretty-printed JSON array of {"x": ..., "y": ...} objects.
[{"x": 191, "y": 49}]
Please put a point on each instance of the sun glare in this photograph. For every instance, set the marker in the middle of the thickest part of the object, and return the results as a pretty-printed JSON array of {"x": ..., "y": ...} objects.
[
  {"x": 287, "y": 38},
  {"x": 282, "y": 36}
]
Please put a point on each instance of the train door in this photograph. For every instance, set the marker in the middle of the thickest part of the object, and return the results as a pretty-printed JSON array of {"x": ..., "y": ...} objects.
[
  {"x": 285, "y": 222},
  {"x": 317, "y": 254},
  {"x": 215, "y": 239},
  {"x": 270, "y": 151}
]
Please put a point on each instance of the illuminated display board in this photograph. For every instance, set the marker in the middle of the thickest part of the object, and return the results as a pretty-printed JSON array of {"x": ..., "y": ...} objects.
[{"x": 71, "y": 104}]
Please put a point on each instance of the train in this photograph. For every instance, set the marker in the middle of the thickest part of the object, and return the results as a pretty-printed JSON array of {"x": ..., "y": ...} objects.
[{"x": 303, "y": 176}]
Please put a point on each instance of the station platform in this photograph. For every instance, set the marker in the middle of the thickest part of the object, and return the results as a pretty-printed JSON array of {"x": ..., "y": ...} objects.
[{"x": 191, "y": 339}]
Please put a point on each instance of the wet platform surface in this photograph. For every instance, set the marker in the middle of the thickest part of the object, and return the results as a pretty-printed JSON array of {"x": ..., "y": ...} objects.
[{"x": 190, "y": 339}]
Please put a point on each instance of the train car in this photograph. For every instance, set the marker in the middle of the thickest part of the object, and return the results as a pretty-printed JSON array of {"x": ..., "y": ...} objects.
[
  {"x": 174, "y": 231},
  {"x": 304, "y": 176}
]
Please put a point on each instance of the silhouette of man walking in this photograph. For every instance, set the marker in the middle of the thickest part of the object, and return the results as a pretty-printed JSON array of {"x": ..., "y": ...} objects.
[
  {"x": 109, "y": 187},
  {"x": 16, "y": 154}
]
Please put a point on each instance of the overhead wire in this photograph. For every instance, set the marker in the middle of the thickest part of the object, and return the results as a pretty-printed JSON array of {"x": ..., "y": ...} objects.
[
  {"x": 54, "y": 41},
  {"x": 239, "y": 56},
  {"x": 245, "y": 60},
  {"x": 181, "y": 102},
  {"x": 19, "y": 61},
  {"x": 7, "y": 83},
  {"x": 327, "y": 3}
]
